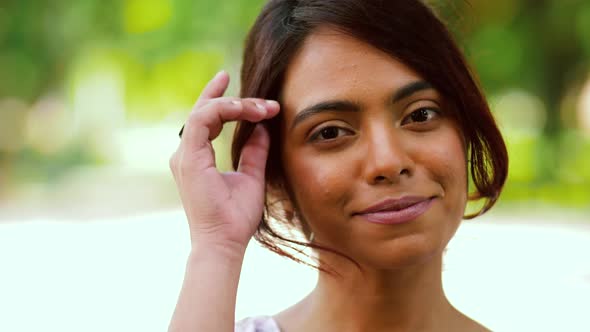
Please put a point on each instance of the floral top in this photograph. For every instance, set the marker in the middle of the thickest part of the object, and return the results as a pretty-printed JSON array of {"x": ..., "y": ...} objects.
[{"x": 257, "y": 324}]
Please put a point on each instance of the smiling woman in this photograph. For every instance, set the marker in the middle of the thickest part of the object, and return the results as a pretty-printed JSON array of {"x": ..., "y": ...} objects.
[
  {"x": 380, "y": 148},
  {"x": 380, "y": 129}
]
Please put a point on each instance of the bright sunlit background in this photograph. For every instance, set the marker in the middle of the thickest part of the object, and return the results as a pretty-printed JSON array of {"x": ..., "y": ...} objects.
[{"x": 93, "y": 93}]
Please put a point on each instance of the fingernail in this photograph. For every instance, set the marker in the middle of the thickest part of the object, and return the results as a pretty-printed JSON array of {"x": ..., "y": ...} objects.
[
  {"x": 260, "y": 106},
  {"x": 219, "y": 73},
  {"x": 272, "y": 102}
]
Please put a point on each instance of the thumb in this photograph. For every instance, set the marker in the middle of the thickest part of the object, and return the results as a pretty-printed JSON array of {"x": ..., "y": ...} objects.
[{"x": 254, "y": 154}]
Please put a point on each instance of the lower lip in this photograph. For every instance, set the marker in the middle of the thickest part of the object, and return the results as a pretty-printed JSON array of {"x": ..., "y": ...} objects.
[{"x": 398, "y": 217}]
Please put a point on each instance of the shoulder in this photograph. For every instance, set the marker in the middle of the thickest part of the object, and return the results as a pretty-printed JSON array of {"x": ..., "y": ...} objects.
[{"x": 257, "y": 324}]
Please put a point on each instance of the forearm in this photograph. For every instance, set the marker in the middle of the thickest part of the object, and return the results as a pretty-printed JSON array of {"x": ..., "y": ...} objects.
[{"x": 207, "y": 299}]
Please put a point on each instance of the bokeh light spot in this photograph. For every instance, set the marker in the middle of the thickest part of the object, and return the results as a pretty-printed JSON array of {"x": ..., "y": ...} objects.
[{"x": 146, "y": 15}]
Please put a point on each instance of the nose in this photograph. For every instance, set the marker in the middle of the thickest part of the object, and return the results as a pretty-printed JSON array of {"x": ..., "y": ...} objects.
[{"x": 388, "y": 157}]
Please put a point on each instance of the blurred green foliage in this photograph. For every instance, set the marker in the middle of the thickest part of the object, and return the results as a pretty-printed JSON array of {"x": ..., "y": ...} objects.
[{"x": 69, "y": 69}]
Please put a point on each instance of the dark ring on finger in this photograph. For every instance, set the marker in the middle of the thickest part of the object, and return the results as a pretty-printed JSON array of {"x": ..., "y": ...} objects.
[{"x": 180, "y": 132}]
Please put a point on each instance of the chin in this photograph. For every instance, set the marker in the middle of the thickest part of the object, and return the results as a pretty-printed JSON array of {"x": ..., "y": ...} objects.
[{"x": 400, "y": 253}]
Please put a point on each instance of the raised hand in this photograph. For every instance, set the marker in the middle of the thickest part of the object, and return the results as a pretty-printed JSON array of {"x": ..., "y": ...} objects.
[{"x": 223, "y": 209}]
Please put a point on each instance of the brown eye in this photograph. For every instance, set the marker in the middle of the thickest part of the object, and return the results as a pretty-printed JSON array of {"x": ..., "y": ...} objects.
[
  {"x": 421, "y": 115},
  {"x": 328, "y": 133}
]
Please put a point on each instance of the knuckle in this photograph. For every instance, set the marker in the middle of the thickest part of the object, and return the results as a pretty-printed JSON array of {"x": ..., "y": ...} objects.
[
  {"x": 197, "y": 115},
  {"x": 184, "y": 168},
  {"x": 236, "y": 101},
  {"x": 215, "y": 102},
  {"x": 203, "y": 112},
  {"x": 248, "y": 103},
  {"x": 219, "y": 101},
  {"x": 228, "y": 99}
]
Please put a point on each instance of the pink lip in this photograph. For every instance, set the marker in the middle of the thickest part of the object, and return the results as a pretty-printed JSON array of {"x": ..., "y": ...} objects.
[{"x": 396, "y": 211}]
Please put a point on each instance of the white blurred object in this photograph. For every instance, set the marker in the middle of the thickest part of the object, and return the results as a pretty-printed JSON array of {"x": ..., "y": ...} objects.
[
  {"x": 147, "y": 147},
  {"x": 125, "y": 275}
]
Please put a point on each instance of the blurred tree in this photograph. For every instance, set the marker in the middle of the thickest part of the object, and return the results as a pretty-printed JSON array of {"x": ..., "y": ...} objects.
[
  {"x": 165, "y": 50},
  {"x": 533, "y": 45}
]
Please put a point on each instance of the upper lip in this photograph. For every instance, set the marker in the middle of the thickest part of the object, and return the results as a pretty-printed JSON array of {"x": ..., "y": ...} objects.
[{"x": 391, "y": 204}]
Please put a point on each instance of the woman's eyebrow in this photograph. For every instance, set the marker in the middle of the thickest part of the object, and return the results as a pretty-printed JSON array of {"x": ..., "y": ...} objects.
[
  {"x": 326, "y": 106},
  {"x": 409, "y": 89},
  {"x": 349, "y": 106}
]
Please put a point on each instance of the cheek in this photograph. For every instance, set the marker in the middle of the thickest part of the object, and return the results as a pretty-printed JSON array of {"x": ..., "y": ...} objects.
[
  {"x": 443, "y": 160},
  {"x": 318, "y": 183},
  {"x": 451, "y": 169},
  {"x": 448, "y": 167}
]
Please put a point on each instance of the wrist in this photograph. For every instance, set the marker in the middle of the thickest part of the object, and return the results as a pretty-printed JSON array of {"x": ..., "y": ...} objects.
[{"x": 220, "y": 251}]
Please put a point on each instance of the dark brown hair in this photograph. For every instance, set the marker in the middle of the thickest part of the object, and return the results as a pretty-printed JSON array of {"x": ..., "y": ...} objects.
[{"x": 410, "y": 32}]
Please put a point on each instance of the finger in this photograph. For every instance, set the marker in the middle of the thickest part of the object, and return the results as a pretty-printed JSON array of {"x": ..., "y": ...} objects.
[
  {"x": 214, "y": 89},
  {"x": 207, "y": 122},
  {"x": 271, "y": 106},
  {"x": 205, "y": 125},
  {"x": 254, "y": 153}
]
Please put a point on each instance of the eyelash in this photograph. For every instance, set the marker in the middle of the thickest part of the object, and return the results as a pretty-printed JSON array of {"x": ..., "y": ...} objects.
[
  {"x": 433, "y": 113},
  {"x": 315, "y": 136}
]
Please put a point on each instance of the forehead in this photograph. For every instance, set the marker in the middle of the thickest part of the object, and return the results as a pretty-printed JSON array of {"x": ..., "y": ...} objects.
[{"x": 334, "y": 65}]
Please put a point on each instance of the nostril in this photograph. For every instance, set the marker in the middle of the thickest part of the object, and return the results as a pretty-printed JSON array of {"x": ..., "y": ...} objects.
[{"x": 380, "y": 178}]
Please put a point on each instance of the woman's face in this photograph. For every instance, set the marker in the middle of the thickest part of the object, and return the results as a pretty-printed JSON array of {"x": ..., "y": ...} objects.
[{"x": 376, "y": 166}]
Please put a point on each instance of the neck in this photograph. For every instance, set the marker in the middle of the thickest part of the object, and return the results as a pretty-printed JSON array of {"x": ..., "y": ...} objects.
[{"x": 408, "y": 299}]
